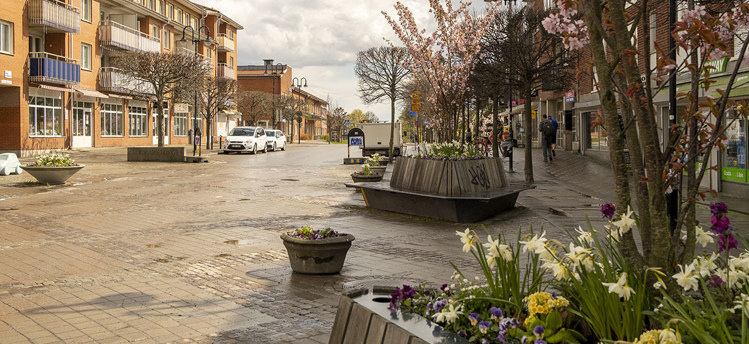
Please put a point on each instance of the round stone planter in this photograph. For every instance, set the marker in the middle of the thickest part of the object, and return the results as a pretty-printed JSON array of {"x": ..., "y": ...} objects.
[
  {"x": 52, "y": 175},
  {"x": 323, "y": 256},
  {"x": 375, "y": 177}
]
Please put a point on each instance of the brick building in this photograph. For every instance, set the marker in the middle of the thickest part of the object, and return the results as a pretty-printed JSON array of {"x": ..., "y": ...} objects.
[
  {"x": 277, "y": 79},
  {"x": 58, "y": 89}
]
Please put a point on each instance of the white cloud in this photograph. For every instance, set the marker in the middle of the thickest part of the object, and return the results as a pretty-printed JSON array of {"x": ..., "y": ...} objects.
[{"x": 318, "y": 38}]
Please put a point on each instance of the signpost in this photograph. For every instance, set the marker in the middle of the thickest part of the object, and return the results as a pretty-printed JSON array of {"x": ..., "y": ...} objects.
[
  {"x": 415, "y": 108},
  {"x": 355, "y": 138}
]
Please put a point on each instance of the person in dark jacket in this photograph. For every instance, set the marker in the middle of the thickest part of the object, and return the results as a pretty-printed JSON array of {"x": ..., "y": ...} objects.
[
  {"x": 546, "y": 133},
  {"x": 555, "y": 126}
]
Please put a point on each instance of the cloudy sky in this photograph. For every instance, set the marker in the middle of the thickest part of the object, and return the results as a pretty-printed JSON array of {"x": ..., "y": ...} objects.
[{"x": 319, "y": 39}]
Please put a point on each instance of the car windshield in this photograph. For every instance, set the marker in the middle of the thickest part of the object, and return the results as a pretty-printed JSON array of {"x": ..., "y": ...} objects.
[
  {"x": 242, "y": 132},
  {"x": 270, "y": 133}
]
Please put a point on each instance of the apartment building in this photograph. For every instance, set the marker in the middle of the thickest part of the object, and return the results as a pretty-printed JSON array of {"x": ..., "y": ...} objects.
[
  {"x": 59, "y": 90},
  {"x": 277, "y": 79}
]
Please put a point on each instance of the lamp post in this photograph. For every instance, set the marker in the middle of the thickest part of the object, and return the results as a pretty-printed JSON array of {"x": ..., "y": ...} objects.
[
  {"x": 195, "y": 41},
  {"x": 277, "y": 69},
  {"x": 299, "y": 83}
]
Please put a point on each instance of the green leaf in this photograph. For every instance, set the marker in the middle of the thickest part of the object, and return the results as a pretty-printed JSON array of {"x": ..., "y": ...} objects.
[
  {"x": 553, "y": 321},
  {"x": 565, "y": 336}
]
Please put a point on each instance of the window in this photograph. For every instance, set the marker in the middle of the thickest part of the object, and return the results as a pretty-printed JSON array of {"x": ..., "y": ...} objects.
[
  {"x": 6, "y": 37},
  {"x": 195, "y": 23},
  {"x": 86, "y": 10},
  {"x": 170, "y": 11},
  {"x": 45, "y": 116},
  {"x": 734, "y": 167},
  {"x": 653, "y": 34},
  {"x": 111, "y": 120},
  {"x": 179, "y": 15},
  {"x": 81, "y": 124},
  {"x": 180, "y": 124},
  {"x": 138, "y": 121},
  {"x": 595, "y": 80},
  {"x": 738, "y": 41},
  {"x": 160, "y": 8},
  {"x": 187, "y": 19},
  {"x": 35, "y": 44},
  {"x": 231, "y": 61},
  {"x": 167, "y": 39},
  {"x": 156, "y": 32},
  {"x": 152, "y": 5},
  {"x": 85, "y": 56},
  {"x": 165, "y": 124}
]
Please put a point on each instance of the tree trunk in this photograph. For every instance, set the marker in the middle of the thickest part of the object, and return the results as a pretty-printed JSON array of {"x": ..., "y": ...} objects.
[
  {"x": 392, "y": 129},
  {"x": 477, "y": 128},
  {"x": 160, "y": 120},
  {"x": 528, "y": 134},
  {"x": 495, "y": 124}
]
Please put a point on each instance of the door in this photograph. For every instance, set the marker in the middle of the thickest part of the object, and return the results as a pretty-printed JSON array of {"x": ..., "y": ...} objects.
[
  {"x": 81, "y": 124},
  {"x": 165, "y": 126}
]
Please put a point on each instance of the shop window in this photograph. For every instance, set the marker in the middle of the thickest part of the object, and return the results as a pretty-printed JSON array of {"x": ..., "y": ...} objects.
[
  {"x": 734, "y": 157},
  {"x": 111, "y": 120},
  {"x": 180, "y": 124},
  {"x": 45, "y": 116},
  {"x": 138, "y": 121}
]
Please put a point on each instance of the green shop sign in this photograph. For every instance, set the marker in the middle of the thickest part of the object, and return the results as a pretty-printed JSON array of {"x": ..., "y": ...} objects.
[
  {"x": 733, "y": 174},
  {"x": 719, "y": 65}
]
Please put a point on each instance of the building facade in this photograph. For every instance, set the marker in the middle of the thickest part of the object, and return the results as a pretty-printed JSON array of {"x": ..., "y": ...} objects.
[{"x": 59, "y": 89}]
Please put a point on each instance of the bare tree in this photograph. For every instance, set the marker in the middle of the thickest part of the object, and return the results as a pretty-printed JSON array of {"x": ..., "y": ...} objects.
[
  {"x": 253, "y": 105},
  {"x": 167, "y": 73},
  {"x": 381, "y": 75},
  {"x": 217, "y": 94},
  {"x": 336, "y": 118},
  {"x": 522, "y": 52}
]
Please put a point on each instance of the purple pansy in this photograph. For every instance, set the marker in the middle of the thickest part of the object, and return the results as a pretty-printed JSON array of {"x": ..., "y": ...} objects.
[
  {"x": 484, "y": 326},
  {"x": 608, "y": 210}
]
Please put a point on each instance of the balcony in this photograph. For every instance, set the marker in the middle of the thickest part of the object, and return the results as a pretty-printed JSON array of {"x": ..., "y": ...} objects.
[
  {"x": 225, "y": 71},
  {"x": 202, "y": 57},
  {"x": 114, "y": 34},
  {"x": 225, "y": 43},
  {"x": 53, "y": 69},
  {"x": 55, "y": 15},
  {"x": 113, "y": 80}
]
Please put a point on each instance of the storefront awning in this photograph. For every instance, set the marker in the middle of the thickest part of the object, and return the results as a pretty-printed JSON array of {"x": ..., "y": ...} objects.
[
  {"x": 90, "y": 93},
  {"x": 55, "y": 88},
  {"x": 119, "y": 96}
]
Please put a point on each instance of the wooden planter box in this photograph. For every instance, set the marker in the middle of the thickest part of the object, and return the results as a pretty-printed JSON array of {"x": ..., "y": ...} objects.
[{"x": 448, "y": 178}]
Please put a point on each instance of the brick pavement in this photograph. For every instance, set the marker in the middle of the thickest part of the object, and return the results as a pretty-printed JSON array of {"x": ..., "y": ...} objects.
[{"x": 159, "y": 253}]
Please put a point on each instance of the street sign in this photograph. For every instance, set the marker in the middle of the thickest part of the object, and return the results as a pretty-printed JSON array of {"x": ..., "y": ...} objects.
[
  {"x": 412, "y": 114},
  {"x": 346, "y": 121},
  {"x": 533, "y": 113},
  {"x": 415, "y": 107},
  {"x": 414, "y": 98}
]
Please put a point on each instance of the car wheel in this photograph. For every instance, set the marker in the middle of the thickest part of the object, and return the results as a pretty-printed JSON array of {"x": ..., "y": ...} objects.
[
  {"x": 5, "y": 172},
  {"x": 265, "y": 148},
  {"x": 283, "y": 148},
  {"x": 274, "y": 146},
  {"x": 254, "y": 149},
  {"x": 19, "y": 170}
]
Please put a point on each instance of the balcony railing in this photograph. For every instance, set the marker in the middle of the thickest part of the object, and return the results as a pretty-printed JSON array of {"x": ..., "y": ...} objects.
[
  {"x": 202, "y": 57},
  {"x": 225, "y": 43},
  {"x": 225, "y": 71},
  {"x": 113, "y": 80},
  {"x": 114, "y": 34},
  {"x": 54, "y": 69},
  {"x": 55, "y": 14}
]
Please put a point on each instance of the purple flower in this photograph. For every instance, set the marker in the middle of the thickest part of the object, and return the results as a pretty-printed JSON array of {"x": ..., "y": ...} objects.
[
  {"x": 408, "y": 292},
  {"x": 720, "y": 224},
  {"x": 727, "y": 242},
  {"x": 501, "y": 337},
  {"x": 715, "y": 281},
  {"x": 474, "y": 318},
  {"x": 445, "y": 290},
  {"x": 538, "y": 331},
  {"x": 539, "y": 341},
  {"x": 608, "y": 210},
  {"x": 484, "y": 326},
  {"x": 496, "y": 313},
  {"x": 719, "y": 208}
]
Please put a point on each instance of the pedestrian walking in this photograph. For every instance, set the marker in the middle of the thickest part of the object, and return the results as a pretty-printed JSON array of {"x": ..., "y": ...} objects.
[
  {"x": 547, "y": 133},
  {"x": 555, "y": 126}
]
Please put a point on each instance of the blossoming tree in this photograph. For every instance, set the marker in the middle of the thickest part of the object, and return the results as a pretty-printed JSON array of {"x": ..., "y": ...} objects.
[
  {"x": 607, "y": 29},
  {"x": 443, "y": 59}
]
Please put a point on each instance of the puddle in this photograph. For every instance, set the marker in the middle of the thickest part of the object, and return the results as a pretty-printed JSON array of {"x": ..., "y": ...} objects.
[
  {"x": 7, "y": 209},
  {"x": 237, "y": 242},
  {"x": 290, "y": 180},
  {"x": 222, "y": 255}
]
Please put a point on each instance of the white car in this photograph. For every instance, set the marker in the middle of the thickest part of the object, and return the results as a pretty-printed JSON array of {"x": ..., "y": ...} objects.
[
  {"x": 246, "y": 139},
  {"x": 9, "y": 164},
  {"x": 276, "y": 140}
]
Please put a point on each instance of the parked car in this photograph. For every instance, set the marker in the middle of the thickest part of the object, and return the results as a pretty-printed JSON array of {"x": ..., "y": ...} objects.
[
  {"x": 246, "y": 139},
  {"x": 9, "y": 164},
  {"x": 276, "y": 140}
]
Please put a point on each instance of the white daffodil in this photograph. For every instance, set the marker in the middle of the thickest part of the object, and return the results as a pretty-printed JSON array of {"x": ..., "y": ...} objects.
[
  {"x": 584, "y": 236},
  {"x": 464, "y": 236},
  {"x": 535, "y": 244},
  {"x": 452, "y": 314},
  {"x": 621, "y": 287},
  {"x": 468, "y": 244},
  {"x": 742, "y": 304},
  {"x": 504, "y": 251},
  {"x": 560, "y": 270},
  {"x": 703, "y": 238},
  {"x": 439, "y": 316},
  {"x": 668, "y": 336},
  {"x": 705, "y": 265},
  {"x": 626, "y": 222},
  {"x": 579, "y": 255},
  {"x": 687, "y": 278}
]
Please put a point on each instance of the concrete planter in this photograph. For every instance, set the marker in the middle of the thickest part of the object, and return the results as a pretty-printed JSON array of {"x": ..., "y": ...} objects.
[
  {"x": 160, "y": 154},
  {"x": 380, "y": 169},
  {"x": 323, "y": 256},
  {"x": 52, "y": 175},
  {"x": 358, "y": 178}
]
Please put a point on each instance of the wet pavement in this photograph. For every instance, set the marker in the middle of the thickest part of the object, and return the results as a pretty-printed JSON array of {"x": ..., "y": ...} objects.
[{"x": 175, "y": 252}]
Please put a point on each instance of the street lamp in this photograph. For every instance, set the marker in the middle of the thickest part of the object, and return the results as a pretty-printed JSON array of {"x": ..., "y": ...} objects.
[
  {"x": 196, "y": 130},
  {"x": 299, "y": 83},
  {"x": 277, "y": 69}
]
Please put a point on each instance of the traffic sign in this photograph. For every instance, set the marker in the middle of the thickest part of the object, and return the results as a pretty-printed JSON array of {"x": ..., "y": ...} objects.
[
  {"x": 414, "y": 98},
  {"x": 412, "y": 114},
  {"x": 415, "y": 107}
]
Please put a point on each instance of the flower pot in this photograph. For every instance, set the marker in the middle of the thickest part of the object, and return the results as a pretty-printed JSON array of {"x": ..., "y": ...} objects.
[
  {"x": 52, "y": 175},
  {"x": 380, "y": 169},
  {"x": 321, "y": 256},
  {"x": 375, "y": 177}
]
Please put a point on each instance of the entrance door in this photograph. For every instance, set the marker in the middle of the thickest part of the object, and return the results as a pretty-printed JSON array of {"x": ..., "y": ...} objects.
[
  {"x": 81, "y": 124},
  {"x": 165, "y": 126}
]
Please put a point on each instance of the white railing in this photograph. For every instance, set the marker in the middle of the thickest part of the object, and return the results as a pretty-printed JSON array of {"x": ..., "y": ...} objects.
[
  {"x": 225, "y": 42},
  {"x": 225, "y": 71},
  {"x": 114, "y": 34},
  {"x": 113, "y": 80},
  {"x": 55, "y": 13}
]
